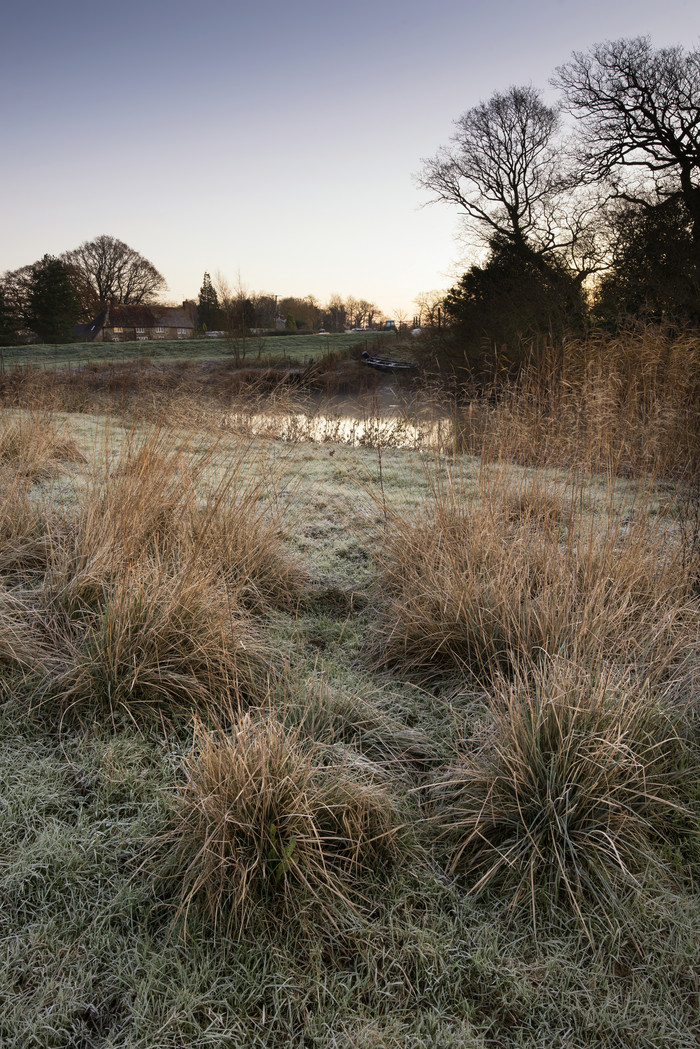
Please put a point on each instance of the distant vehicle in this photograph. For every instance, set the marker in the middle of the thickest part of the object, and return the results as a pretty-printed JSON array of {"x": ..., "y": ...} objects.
[{"x": 215, "y": 334}]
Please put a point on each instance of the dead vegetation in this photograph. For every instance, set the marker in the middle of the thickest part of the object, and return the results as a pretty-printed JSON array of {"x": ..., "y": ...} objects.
[{"x": 387, "y": 734}]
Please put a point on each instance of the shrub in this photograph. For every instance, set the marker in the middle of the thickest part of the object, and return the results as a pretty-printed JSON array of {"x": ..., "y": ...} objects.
[{"x": 263, "y": 817}]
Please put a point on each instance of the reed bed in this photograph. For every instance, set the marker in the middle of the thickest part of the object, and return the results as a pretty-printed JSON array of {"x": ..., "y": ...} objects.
[{"x": 627, "y": 404}]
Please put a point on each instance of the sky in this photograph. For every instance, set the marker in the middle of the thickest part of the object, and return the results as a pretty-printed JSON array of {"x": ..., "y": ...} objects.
[{"x": 274, "y": 142}]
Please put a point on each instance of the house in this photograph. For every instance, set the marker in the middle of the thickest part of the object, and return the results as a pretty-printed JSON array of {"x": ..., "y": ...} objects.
[{"x": 141, "y": 323}]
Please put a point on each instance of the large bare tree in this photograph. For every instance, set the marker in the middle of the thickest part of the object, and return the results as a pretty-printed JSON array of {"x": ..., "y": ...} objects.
[
  {"x": 502, "y": 168},
  {"x": 106, "y": 270},
  {"x": 638, "y": 110}
]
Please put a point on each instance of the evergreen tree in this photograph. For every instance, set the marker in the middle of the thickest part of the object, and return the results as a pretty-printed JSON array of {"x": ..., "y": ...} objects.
[
  {"x": 8, "y": 325},
  {"x": 651, "y": 272},
  {"x": 208, "y": 306},
  {"x": 497, "y": 308},
  {"x": 53, "y": 307}
]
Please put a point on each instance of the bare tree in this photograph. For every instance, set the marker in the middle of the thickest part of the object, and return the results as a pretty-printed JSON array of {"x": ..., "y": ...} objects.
[
  {"x": 334, "y": 315},
  {"x": 429, "y": 305},
  {"x": 107, "y": 270},
  {"x": 639, "y": 115},
  {"x": 368, "y": 311},
  {"x": 237, "y": 313},
  {"x": 503, "y": 169}
]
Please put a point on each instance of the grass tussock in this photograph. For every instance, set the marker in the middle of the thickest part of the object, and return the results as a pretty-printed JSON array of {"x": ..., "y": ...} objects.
[
  {"x": 488, "y": 584},
  {"x": 21, "y": 645},
  {"x": 265, "y": 816},
  {"x": 156, "y": 501},
  {"x": 25, "y": 530},
  {"x": 33, "y": 446},
  {"x": 144, "y": 587},
  {"x": 573, "y": 789},
  {"x": 162, "y": 643}
]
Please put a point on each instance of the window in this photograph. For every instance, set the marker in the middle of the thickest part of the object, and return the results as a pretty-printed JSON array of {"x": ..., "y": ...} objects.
[
  {"x": 140, "y": 331},
  {"x": 159, "y": 331},
  {"x": 181, "y": 333},
  {"x": 117, "y": 331}
]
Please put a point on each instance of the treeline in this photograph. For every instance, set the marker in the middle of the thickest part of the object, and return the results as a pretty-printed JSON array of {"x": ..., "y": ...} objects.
[
  {"x": 224, "y": 307},
  {"x": 590, "y": 220},
  {"x": 47, "y": 299}
]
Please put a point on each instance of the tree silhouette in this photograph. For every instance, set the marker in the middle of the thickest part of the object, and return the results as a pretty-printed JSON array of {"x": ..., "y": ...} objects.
[{"x": 53, "y": 307}]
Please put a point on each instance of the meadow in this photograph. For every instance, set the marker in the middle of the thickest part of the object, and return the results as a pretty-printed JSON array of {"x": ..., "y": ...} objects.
[
  {"x": 380, "y": 736},
  {"x": 249, "y": 348}
]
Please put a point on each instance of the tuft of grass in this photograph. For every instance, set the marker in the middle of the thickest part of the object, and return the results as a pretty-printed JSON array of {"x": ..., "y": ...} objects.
[
  {"x": 263, "y": 817},
  {"x": 32, "y": 444},
  {"x": 571, "y": 791},
  {"x": 21, "y": 647},
  {"x": 158, "y": 642},
  {"x": 214, "y": 511},
  {"x": 333, "y": 717},
  {"x": 25, "y": 529},
  {"x": 490, "y": 585}
]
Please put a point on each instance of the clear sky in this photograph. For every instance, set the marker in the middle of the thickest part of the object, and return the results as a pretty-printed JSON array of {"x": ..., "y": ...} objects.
[{"x": 275, "y": 140}]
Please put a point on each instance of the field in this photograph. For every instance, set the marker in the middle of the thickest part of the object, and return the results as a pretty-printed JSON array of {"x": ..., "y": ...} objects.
[
  {"x": 382, "y": 743},
  {"x": 249, "y": 349}
]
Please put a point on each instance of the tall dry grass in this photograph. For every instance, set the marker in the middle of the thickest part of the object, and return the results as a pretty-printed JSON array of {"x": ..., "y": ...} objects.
[
  {"x": 213, "y": 511},
  {"x": 263, "y": 816},
  {"x": 574, "y": 788},
  {"x": 33, "y": 448},
  {"x": 32, "y": 444},
  {"x": 159, "y": 643},
  {"x": 491, "y": 583},
  {"x": 143, "y": 586},
  {"x": 628, "y": 404},
  {"x": 25, "y": 529},
  {"x": 22, "y": 647}
]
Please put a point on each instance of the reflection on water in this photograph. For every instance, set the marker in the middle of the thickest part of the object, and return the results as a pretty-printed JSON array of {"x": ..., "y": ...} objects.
[
  {"x": 388, "y": 417},
  {"x": 367, "y": 431}
]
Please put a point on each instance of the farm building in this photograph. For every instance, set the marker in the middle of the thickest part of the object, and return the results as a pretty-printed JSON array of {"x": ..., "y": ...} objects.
[{"x": 141, "y": 323}]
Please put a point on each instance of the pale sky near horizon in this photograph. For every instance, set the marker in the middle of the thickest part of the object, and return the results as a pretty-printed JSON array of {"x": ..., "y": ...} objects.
[{"x": 275, "y": 141}]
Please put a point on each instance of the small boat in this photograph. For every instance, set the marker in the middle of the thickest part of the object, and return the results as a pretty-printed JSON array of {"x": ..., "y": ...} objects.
[{"x": 383, "y": 364}]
